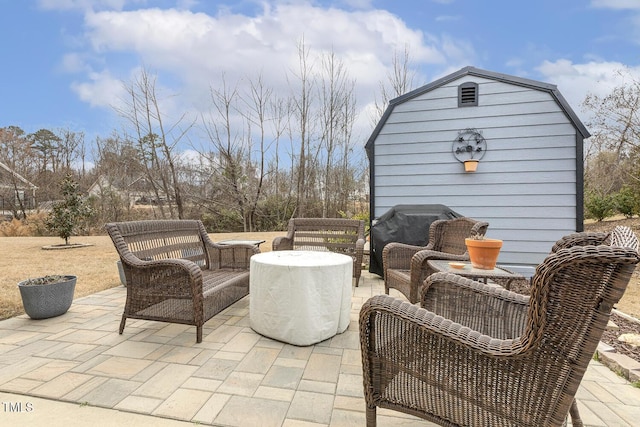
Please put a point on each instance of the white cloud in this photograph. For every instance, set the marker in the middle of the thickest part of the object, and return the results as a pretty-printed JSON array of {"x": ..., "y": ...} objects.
[
  {"x": 616, "y": 4},
  {"x": 187, "y": 42},
  {"x": 195, "y": 49},
  {"x": 73, "y": 63},
  {"x": 191, "y": 51},
  {"x": 102, "y": 90},
  {"x": 191, "y": 157},
  {"x": 576, "y": 81}
]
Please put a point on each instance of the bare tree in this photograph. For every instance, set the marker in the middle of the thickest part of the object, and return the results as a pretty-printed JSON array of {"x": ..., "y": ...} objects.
[
  {"x": 70, "y": 147},
  {"x": 16, "y": 156},
  {"x": 337, "y": 116},
  {"x": 280, "y": 109},
  {"x": 616, "y": 117},
  {"x": 258, "y": 102},
  {"x": 400, "y": 80},
  {"x": 302, "y": 129},
  {"x": 119, "y": 175},
  {"x": 348, "y": 172},
  {"x": 156, "y": 141},
  {"x": 614, "y": 147},
  {"x": 229, "y": 148}
]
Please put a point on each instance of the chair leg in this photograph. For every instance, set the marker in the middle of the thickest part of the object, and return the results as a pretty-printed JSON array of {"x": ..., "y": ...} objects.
[
  {"x": 357, "y": 281},
  {"x": 575, "y": 415},
  {"x": 199, "y": 334},
  {"x": 371, "y": 416},
  {"x": 122, "y": 323}
]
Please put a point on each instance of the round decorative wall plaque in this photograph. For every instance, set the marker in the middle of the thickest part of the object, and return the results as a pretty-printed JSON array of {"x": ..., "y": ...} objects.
[{"x": 469, "y": 145}]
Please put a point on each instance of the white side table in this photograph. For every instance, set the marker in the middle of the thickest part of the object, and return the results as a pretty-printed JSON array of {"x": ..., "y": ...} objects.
[{"x": 300, "y": 297}]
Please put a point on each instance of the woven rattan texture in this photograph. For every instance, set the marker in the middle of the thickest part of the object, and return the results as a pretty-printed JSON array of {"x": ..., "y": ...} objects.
[
  {"x": 405, "y": 266},
  {"x": 176, "y": 274},
  {"x": 341, "y": 235},
  {"x": 479, "y": 355}
]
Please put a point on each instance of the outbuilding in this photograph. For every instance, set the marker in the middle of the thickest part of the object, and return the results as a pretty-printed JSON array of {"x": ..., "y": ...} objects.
[{"x": 523, "y": 137}]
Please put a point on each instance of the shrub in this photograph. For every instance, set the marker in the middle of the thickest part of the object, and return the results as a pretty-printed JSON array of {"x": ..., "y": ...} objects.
[
  {"x": 14, "y": 228},
  {"x": 627, "y": 201},
  {"x": 225, "y": 221},
  {"x": 598, "y": 207},
  {"x": 362, "y": 215},
  {"x": 37, "y": 224}
]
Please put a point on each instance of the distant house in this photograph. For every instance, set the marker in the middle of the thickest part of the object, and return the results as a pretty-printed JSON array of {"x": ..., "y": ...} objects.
[
  {"x": 529, "y": 142},
  {"x": 15, "y": 191},
  {"x": 134, "y": 190}
]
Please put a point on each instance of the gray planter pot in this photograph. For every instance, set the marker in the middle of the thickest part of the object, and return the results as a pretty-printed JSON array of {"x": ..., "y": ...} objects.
[
  {"x": 51, "y": 300},
  {"x": 123, "y": 278}
]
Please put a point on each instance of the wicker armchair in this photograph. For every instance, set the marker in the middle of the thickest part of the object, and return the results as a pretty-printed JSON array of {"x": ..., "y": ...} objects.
[
  {"x": 176, "y": 274},
  {"x": 341, "y": 235},
  {"x": 479, "y": 355},
  {"x": 405, "y": 266},
  {"x": 584, "y": 238}
]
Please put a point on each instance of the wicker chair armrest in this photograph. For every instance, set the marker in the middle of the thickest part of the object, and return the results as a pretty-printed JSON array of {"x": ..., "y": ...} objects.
[
  {"x": 282, "y": 243},
  {"x": 420, "y": 258},
  {"x": 421, "y": 270},
  {"x": 385, "y": 322},
  {"x": 487, "y": 308},
  {"x": 235, "y": 256},
  {"x": 171, "y": 277},
  {"x": 359, "y": 253},
  {"x": 398, "y": 255}
]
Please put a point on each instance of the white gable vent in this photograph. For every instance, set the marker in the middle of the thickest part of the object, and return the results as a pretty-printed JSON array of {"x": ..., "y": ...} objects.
[{"x": 468, "y": 94}]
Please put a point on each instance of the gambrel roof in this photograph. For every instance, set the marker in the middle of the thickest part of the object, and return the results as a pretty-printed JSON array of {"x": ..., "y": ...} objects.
[{"x": 472, "y": 71}]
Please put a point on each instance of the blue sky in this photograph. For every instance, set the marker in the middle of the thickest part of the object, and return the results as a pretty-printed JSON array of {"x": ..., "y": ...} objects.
[{"x": 64, "y": 61}]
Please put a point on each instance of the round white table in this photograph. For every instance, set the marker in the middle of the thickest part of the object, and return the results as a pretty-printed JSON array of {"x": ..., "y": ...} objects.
[{"x": 300, "y": 297}]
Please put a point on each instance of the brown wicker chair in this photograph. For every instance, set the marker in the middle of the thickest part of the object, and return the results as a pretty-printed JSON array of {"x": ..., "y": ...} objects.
[
  {"x": 479, "y": 355},
  {"x": 584, "y": 238},
  {"x": 341, "y": 235},
  {"x": 175, "y": 273},
  {"x": 405, "y": 266}
]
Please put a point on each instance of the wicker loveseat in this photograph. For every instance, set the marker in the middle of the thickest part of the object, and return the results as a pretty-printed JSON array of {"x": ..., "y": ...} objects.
[
  {"x": 341, "y": 235},
  {"x": 176, "y": 274},
  {"x": 479, "y": 355}
]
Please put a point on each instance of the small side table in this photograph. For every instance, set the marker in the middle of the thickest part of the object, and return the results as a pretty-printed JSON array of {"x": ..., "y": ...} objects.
[
  {"x": 255, "y": 243},
  {"x": 475, "y": 273}
]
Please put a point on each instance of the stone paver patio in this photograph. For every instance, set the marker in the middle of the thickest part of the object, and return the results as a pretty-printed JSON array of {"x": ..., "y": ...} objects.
[{"x": 235, "y": 377}]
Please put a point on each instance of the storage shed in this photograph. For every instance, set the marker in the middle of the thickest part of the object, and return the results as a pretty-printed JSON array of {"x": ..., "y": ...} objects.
[{"x": 526, "y": 141}]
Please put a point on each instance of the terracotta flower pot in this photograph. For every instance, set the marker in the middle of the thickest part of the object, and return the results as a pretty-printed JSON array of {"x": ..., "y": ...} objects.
[
  {"x": 483, "y": 253},
  {"x": 470, "y": 165}
]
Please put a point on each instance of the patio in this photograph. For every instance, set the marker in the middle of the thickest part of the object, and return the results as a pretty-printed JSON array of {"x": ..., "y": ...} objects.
[{"x": 235, "y": 377}]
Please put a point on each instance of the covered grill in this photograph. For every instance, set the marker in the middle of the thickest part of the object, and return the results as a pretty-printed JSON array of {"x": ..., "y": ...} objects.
[{"x": 405, "y": 224}]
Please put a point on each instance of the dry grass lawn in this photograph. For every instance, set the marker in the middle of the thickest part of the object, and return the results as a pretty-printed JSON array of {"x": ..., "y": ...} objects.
[{"x": 95, "y": 266}]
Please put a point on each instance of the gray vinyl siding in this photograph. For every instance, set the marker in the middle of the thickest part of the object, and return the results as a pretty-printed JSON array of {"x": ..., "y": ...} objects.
[{"x": 525, "y": 186}]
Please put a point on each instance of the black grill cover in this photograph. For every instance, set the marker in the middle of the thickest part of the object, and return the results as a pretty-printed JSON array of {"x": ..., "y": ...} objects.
[{"x": 405, "y": 224}]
